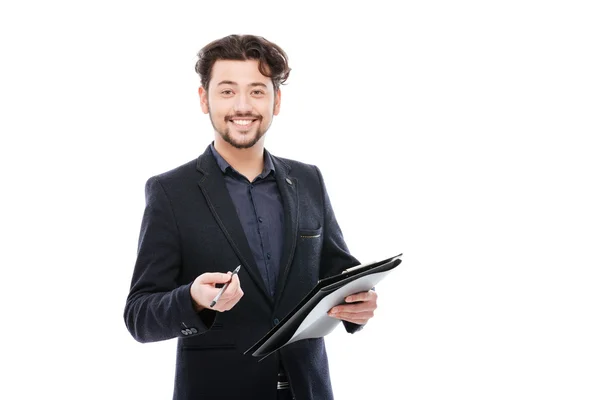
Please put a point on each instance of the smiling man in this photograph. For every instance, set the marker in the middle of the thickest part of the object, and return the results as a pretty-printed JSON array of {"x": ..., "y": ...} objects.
[
  {"x": 241, "y": 102},
  {"x": 241, "y": 111},
  {"x": 237, "y": 204}
]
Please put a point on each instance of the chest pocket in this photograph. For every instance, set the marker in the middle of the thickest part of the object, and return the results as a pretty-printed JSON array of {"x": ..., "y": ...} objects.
[{"x": 310, "y": 233}]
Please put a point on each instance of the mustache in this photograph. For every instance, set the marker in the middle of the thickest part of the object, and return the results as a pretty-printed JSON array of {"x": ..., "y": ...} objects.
[{"x": 245, "y": 115}]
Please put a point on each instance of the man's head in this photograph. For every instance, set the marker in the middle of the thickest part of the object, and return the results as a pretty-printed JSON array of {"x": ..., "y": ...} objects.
[{"x": 240, "y": 77}]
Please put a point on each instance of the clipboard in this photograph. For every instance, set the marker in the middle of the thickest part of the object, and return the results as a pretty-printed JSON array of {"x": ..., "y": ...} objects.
[{"x": 309, "y": 318}]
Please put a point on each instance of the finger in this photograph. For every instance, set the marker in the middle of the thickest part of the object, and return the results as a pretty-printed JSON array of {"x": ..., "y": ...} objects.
[
  {"x": 366, "y": 306},
  {"x": 357, "y": 318},
  {"x": 354, "y": 320},
  {"x": 232, "y": 292},
  {"x": 235, "y": 282},
  {"x": 233, "y": 287},
  {"x": 209, "y": 278},
  {"x": 357, "y": 321},
  {"x": 362, "y": 296}
]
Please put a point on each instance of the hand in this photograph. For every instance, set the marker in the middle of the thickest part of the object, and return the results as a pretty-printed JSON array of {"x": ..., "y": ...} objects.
[
  {"x": 362, "y": 309},
  {"x": 203, "y": 291}
]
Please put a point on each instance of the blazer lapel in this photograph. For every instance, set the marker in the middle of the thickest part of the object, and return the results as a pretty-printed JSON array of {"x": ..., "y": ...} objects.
[
  {"x": 288, "y": 188},
  {"x": 219, "y": 201}
]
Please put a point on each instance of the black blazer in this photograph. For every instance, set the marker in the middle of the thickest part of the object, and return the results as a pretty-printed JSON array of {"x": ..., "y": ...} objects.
[{"x": 189, "y": 227}]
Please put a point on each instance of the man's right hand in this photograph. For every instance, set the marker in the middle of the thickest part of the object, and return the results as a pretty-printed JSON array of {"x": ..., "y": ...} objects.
[{"x": 203, "y": 291}]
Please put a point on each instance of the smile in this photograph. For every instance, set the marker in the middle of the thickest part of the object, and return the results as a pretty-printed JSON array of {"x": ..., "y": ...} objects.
[{"x": 242, "y": 122}]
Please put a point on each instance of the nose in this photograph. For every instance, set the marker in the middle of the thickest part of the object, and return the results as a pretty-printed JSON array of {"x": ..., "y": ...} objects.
[{"x": 242, "y": 104}]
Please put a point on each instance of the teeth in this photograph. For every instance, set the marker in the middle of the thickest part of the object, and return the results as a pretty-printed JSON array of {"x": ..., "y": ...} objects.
[{"x": 242, "y": 121}]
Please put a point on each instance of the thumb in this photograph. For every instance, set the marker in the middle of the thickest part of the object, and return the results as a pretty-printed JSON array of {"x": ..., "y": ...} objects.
[{"x": 214, "y": 277}]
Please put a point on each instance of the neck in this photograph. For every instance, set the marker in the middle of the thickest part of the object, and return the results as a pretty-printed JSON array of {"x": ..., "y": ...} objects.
[{"x": 248, "y": 162}]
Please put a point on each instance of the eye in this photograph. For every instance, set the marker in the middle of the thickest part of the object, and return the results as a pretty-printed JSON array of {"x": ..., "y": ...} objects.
[
  {"x": 227, "y": 92},
  {"x": 258, "y": 92}
]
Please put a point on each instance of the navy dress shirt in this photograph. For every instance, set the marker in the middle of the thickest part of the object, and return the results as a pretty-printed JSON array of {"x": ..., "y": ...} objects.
[{"x": 260, "y": 210}]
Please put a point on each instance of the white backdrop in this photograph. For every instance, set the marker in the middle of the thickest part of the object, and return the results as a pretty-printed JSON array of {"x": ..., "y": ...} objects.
[{"x": 463, "y": 134}]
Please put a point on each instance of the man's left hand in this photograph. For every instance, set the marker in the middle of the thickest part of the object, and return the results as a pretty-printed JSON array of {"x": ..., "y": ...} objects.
[{"x": 360, "y": 311}]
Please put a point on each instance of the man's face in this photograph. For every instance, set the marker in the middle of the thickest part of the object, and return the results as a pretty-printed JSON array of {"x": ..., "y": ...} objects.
[{"x": 240, "y": 101}]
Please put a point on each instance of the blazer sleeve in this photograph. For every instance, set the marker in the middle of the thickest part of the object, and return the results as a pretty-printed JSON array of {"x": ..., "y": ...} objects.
[
  {"x": 157, "y": 308},
  {"x": 335, "y": 256}
]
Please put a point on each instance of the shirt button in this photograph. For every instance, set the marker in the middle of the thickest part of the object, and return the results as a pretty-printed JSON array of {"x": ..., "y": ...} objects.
[
  {"x": 260, "y": 219},
  {"x": 275, "y": 321},
  {"x": 269, "y": 256}
]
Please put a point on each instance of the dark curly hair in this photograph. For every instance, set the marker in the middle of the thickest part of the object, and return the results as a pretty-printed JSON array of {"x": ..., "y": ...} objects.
[{"x": 273, "y": 62}]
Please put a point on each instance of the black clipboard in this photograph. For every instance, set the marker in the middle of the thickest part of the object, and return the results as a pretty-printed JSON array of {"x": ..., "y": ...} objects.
[{"x": 309, "y": 318}]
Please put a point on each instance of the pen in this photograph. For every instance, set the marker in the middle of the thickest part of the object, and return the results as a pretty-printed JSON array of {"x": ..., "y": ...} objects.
[{"x": 218, "y": 296}]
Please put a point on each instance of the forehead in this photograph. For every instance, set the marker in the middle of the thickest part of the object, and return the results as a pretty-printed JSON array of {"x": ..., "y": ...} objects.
[{"x": 242, "y": 73}]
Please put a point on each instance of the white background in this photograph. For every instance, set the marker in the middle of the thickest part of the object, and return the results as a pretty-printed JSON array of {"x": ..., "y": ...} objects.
[{"x": 463, "y": 134}]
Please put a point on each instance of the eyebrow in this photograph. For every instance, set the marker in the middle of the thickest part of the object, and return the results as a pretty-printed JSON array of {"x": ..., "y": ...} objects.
[{"x": 253, "y": 84}]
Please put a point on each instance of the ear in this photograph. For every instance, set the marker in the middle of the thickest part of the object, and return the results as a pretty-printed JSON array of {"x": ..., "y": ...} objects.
[
  {"x": 203, "y": 99},
  {"x": 277, "y": 102}
]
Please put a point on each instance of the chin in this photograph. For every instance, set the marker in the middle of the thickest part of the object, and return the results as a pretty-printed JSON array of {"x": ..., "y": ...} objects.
[
  {"x": 243, "y": 145},
  {"x": 242, "y": 141}
]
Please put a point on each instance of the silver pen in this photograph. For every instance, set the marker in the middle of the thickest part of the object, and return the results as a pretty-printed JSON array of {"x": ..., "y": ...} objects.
[{"x": 218, "y": 296}]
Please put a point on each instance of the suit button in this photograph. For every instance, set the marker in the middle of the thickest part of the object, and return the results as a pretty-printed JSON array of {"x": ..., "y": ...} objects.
[
  {"x": 194, "y": 330},
  {"x": 275, "y": 321},
  {"x": 184, "y": 331}
]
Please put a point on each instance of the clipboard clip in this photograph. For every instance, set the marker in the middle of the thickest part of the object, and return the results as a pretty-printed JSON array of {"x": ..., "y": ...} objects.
[{"x": 362, "y": 265}]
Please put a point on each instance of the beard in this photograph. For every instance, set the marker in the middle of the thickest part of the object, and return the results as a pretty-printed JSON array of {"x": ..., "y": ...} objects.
[{"x": 251, "y": 137}]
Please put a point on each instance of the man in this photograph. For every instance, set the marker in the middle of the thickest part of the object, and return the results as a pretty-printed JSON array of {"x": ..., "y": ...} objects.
[{"x": 239, "y": 205}]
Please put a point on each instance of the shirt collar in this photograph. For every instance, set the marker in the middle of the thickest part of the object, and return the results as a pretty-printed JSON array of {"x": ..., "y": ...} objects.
[{"x": 224, "y": 165}]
